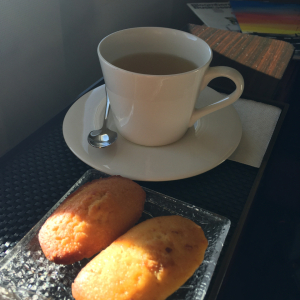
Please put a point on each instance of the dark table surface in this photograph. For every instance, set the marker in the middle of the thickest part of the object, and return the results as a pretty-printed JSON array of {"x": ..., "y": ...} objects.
[{"x": 266, "y": 264}]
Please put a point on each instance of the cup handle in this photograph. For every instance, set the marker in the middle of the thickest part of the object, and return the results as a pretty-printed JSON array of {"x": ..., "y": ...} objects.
[{"x": 210, "y": 74}]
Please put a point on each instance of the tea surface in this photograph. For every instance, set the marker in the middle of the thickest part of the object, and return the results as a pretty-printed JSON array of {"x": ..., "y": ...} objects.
[{"x": 154, "y": 64}]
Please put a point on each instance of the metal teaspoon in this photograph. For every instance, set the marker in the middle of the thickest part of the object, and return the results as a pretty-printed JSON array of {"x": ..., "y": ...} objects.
[{"x": 103, "y": 137}]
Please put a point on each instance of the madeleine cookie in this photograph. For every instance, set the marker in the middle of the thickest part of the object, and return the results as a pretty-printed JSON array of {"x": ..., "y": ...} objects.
[
  {"x": 91, "y": 218},
  {"x": 150, "y": 261}
]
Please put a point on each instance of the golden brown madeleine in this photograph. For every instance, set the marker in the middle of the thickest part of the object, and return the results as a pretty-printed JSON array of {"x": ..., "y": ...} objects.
[
  {"x": 91, "y": 218},
  {"x": 150, "y": 261}
]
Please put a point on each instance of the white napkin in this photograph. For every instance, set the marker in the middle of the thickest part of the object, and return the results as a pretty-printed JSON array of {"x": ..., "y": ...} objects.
[{"x": 258, "y": 122}]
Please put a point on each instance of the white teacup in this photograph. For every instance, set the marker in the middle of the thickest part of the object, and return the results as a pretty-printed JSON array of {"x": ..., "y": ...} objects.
[{"x": 155, "y": 110}]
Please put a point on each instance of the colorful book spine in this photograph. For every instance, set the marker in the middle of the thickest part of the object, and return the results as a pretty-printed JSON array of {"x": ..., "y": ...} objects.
[{"x": 266, "y": 17}]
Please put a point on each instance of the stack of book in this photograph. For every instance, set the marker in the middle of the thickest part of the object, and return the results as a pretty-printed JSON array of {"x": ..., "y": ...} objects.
[{"x": 273, "y": 20}]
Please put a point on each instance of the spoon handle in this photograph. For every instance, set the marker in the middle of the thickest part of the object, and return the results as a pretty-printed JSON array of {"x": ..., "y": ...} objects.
[{"x": 106, "y": 109}]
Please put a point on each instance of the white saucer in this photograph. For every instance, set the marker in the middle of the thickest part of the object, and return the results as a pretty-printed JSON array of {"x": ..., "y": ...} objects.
[{"x": 204, "y": 146}]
